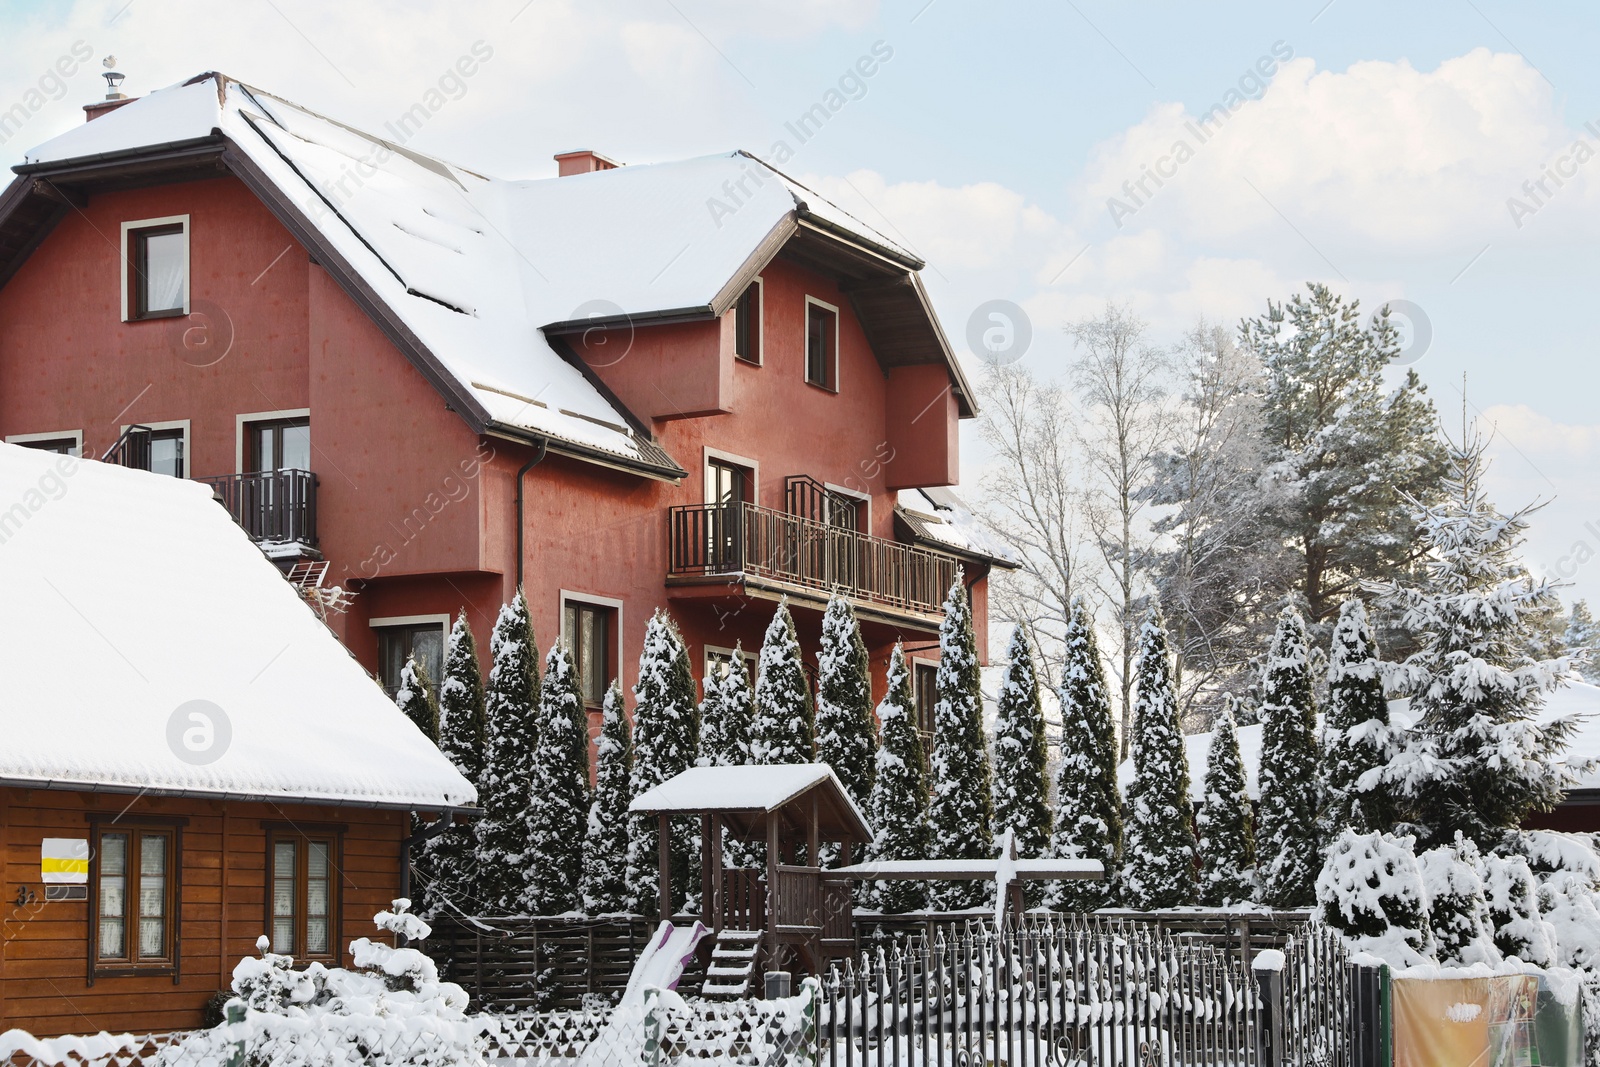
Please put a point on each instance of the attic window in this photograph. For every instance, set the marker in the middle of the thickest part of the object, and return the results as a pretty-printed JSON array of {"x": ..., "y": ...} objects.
[
  {"x": 747, "y": 325},
  {"x": 822, "y": 344},
  {"x": 155, "y": 268}
]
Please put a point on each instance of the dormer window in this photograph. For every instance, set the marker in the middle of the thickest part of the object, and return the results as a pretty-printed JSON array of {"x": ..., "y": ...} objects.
[
  {"x": 155, "y": 268},
  {"x": 747, "y": 325},
  {"x": 822, "y": 344}
]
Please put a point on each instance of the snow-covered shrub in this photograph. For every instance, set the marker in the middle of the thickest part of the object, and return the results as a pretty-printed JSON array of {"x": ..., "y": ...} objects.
[
  {"x": 1512, "y": 896},
  {"x": 1457, "y": 912},
  {"x": 1370, "y": 890}
]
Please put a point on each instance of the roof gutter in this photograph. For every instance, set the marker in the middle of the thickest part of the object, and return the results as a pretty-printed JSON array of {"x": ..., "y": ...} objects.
[
  {"x": 538, "y": 456},
  {"x": 68, "y": 785},
  {"x": 214, "y": 139},
  {"x": 595, "y": 456}
]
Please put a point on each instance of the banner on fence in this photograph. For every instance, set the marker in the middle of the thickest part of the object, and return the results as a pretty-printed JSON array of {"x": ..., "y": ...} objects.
[{"x": 1446, "y": 1022}]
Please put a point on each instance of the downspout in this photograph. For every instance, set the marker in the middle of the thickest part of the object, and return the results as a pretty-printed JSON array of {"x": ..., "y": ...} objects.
[
  {"x": 538, "y": 454},
  {"x": 434, "y": 829}
]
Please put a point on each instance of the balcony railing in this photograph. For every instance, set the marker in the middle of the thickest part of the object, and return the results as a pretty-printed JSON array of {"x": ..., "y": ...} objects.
[
  {"x": 706, "y": 540},
  {"x": 271, "y": 505}
]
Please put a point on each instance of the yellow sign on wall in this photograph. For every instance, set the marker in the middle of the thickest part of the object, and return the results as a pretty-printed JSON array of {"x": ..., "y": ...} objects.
[{"x": 64, "y": 861}]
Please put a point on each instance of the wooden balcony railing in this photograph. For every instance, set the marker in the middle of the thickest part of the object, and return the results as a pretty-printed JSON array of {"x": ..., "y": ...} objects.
[
  {"x": 743, "y": 539},
  {"x": 744, "y": 899},
  {"x": 271, "y": 505},
  {"x": 798, "y": 901}
]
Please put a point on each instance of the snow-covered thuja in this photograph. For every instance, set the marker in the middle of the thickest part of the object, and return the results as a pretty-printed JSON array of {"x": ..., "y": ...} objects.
[
  {"x": 1021, "y": 790},
  {"x": 1288, "y": 843},
  {"x": 451, "y": 859},
  {"x": 510, "y": 727},
  {"x": 665, "y": 732},
  {"x": 416, "y": 698},
  {"x": 1357, "y": 738},
  {"x": 960, "y": 804},
  {"x": 558, "y": 815},
  {"x": 1370, "y": 890},
  {"x": 783, "y": 722},
  {"x": 899, "y": 804},
  {"x": 1478, "y": 759},
  {"x": 1512, "y": 897},
  {"x": 846, "y": 733},
  {"x": 1582, "y": 638},
  {"x": 725, "y": 715},
  {"x": 1223, "y": 825},
  {"x": 1158, "y": 862},
  {"x": 1458, "y": 915},
  {"x": 605, "y": 842},
  {"x": 1088, "y": 822}
]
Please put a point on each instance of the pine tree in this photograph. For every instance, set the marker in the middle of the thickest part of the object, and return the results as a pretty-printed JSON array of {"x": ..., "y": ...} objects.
[
  {"x": 1223, "y": 825},
  {"x": 510, "y": 726},
  {"x": 1287, "y": 840},
  {"x": 1021, "y": 790},
  {"x": 784, "y": 722},
  {"x": 416, "y": 698},
  {"x": 1356, "y": 728},
  {"x": 559, "y": 814},
  {"x": 605, "y": 842},
  {"x": 847, "y": 737},
  {"x": 1088, "y": 822},
  {"x": 960, "y": 808},
  {"x": 1159, "y": 862},
  {"x": 452, "y": 856},
  {"x": 665, "y": 732},
  {"x": 1457, "y": 912},
  {"x": 899, "y": 803},
  {"x": 1478, "y": 760},
  {"x": 1370, "y": 890}
]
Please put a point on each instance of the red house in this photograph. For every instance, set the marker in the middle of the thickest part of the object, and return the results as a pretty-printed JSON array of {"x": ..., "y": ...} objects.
[{"x": 693, "y": 385}]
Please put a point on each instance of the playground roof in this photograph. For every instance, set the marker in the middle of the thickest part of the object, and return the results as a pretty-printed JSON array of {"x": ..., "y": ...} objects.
[{"x": 746, "y": 797}]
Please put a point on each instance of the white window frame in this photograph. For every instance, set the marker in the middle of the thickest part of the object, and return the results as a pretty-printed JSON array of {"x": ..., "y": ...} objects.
[
  {"x": 173, "y": 424},
  {"x": 706, "y": 652},
  {"x": 241, "y": 421},
  {"x": 598, "y": 601},
  {"x": 145, "y": 224},
  {"x": 854, "y": 494},
  {"x": 806, "y": 347},
  {"x": 761, "y": 323},
  {"x": 24, "y": 438},
  {"x": 753, "y": 465},
  {"x": 388, "y": 621}
]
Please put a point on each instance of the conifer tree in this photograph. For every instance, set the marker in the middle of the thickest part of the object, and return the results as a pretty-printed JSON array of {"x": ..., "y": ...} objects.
[
  {"x": 605, "y": 842},
  {"x": 1478, "y": 759},
  {"x": 510, "y": 726},
  {"x": 1159, "y": 858},
  {"x": 558, "y": 816},
  {"x": 1356, "y": 728},
  {"x": 1287, "y": 840},
  {"x": 784, "y": 722},
  {"x": 725, "y": 715},
  {"x": 960, "y": 806},
  {"x": 1458, "y": 915},
  {"x": 1370, "y": 890},
  {"x": 452, "y": 856},
  {"x": 1021, "y": 791},
  {"x": 1512, "y": 897},
  {"x": 416, "y": 698},
  {"x": 1088, "y": 822},
  {"x": 847, "y": 737},
  {"x": 1223, "y": 825},
  {"x": 899, "y": 804},
  {"x": 665, "y": 732}
]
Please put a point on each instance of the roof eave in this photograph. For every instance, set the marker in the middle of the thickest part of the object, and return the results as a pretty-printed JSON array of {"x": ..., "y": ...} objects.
[
  {"x": 596, "y": 456},
  {"x": 234, "y": 796}
]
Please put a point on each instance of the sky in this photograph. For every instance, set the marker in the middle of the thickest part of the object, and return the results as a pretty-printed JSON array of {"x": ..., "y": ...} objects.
[{"x": 1442, "y": 157}]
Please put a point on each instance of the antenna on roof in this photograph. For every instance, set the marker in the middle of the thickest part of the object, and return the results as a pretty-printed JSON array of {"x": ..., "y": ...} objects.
[{"x": 113, "y": 78}]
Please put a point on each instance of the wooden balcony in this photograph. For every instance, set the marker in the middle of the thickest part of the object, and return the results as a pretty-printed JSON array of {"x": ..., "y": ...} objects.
[
  {"x": 274, "y": 507},
  {"x": 787, "y": 553}
]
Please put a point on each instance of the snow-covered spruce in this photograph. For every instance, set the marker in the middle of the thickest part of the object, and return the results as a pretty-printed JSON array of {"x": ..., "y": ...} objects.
[
  {"x": 559, "y": 813},
  {"x": 899, "y": 803},
  {"x": 1512, "y": 897},
  {"x": 451, "y": 858},
  {"x": 783, "y": 724},
  {"x": 1477, "y": 760},
  {"x": 510, "y": 729},
  {"x": 416, "y": 699},
  {"x": 1021, "y": 791},
  {"x": 1158, "y": 865},
  {"x": 1088, "y": 820},
  {"x": 1357, "y": 739},
  {"x": 725, "y": 717},
  {"x": 1224, "y": 824},
  {"x": 1458, "y": 915},
  {"x": 1370, "y": 890},
  {"x": 665, "y": 732},
  {"x": 1288, "y": 845},
  {"x": 846, "y": 733},
  {"x": 960, "y": 808},
  {"x": 1581, "y": 636},
  {"x": 605, "y": 842}
]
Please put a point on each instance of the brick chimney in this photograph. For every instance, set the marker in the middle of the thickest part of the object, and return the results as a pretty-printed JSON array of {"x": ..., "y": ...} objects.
[{"x": 584, "y": 162}]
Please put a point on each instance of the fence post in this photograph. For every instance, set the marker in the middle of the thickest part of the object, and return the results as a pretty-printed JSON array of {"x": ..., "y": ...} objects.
[
  {"x": 652, "y": 1027},
  {"x": 1270, "y": 1040},
  {"x": 810, "y": 991},
  {"x": 235, "y": 1016},
  {"x": 1369, "y": 1037}
]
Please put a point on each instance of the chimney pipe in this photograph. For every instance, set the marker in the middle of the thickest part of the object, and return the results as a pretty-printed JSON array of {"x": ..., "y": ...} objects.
[{"x": 582, "y": 162}]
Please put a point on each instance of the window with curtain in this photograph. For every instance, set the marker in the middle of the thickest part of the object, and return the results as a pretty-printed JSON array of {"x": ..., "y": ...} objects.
[
  {"x": 134, "y": 897},
  {"x": 301, "y": 901},
  {"x": 158, "y": 260},
  {"x": 588, "y": 630},
  {"x": 396, "y": 644}
]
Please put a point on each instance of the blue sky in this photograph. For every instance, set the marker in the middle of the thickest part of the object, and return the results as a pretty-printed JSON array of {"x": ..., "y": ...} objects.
[{"x": 1379, "y": 157}]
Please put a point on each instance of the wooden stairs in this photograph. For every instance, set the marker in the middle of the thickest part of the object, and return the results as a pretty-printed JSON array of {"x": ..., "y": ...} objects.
[{"x": 732, "y": 972}]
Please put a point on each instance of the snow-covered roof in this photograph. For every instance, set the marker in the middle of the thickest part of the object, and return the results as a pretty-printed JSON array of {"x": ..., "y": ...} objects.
[
  {"x": 477, "y": 267},
  {"x": 130, "y": 595},
  {"x": 1044, "y": 869},
  {"x": 744, "y": 789},
  {"x": 939, "y": 516}
]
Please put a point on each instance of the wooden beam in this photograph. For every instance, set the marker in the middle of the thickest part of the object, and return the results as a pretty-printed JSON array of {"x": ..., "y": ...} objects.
[
  {"x": 664, "y": 855},
  {"x": 813, "y": 842},
  {"x": 772, "y": 892},
  {"x": 706, "y": 864},
  {"x": 718, "y": 905}
]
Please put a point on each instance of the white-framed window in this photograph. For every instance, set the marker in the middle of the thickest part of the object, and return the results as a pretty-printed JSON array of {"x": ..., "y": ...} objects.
[
  {"x": 718, "y": 658},
  {"x": 749, "y": 326},
  {"x": 272, "y": 440},
  {"x": 155, "y": 268},
  {"x": 402, "y": 636},
  {"x": 719, "y": 483},
  {"x": 822, "y": 344},
  {"x": 169, "y": 446},
  {"x": 591, "y": 629},
  {"x": 65, "y": 442}
]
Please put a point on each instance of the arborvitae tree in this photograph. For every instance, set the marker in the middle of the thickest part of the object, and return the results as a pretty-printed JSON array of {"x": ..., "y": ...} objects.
[
  {"x": 899, "y": 805},
  {"x": 1457, "y": 912},
  {"x": 1088, "y": 823},
  {"x": 416, "y": 698},
  {"x": 1478, "y": 760},
  {"x": 846, "y": 733},
  {"x": 559, "y": 813},
  {"x": 665, "y": 730},
  {"x": 1223, "y": 825},
  {"x": 1287, "y": 838},
  {"x": 1021, "y": 790},
  {"x": 725, "y": 715},
  {"x": 784, "y": 722},
  {"x": 1370, "y": 890},
  {"x": 1512, "y": 897},
  {"x": 1159, "y": 860},
  {"x": 452, "y": 856},
  {"x": 605, "y": 842},
  {"x": 510, "y": 726},
  {"x": 960, "y": 808},
  {"x": 1356, "y": 728}
]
